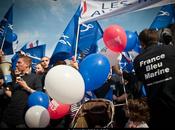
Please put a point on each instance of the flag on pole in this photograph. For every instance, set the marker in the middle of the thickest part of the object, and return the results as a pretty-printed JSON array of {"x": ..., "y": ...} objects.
[
  {"x": 6, "y": 31},
  {"x": 31, "y": 44},
  {"x": 158, "y": 4},
  {"x": 89, "y": 33},
  {"x": 63, "y": 49},
  {"x": 100, "y": 9},
  {"x": 35, "y": 53},
  {"x": 137, "y": 48},
  {"x": 126, "y": 63},
  {"x": 164, "y": 17}
]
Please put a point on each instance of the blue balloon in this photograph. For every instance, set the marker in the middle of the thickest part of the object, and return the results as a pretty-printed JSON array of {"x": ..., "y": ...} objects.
[
  {"x": 11, "y": 37},
  {"x": 138, "y": 47},
  {"x": 131, "y": 40},
  {"x": 94, "y": 70},
  {"x": 14, "y": 36},
  {"x": 38, "y": 98}
]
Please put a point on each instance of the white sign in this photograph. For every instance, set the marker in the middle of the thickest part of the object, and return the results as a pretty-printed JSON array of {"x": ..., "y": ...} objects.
[{"x": 99, "y": 9}]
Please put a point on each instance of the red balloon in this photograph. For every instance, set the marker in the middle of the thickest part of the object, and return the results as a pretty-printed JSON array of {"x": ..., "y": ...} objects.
[
  {"x": 115, "y": 38},
  {"x": 58, "y": 110}
]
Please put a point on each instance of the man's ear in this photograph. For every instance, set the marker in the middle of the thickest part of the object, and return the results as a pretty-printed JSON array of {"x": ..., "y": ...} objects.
[
  {"x": 27, "y": 65},
  {"x": 142, "y": 45}
]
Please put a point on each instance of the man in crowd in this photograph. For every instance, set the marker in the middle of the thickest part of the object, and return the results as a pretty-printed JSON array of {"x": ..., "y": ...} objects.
[
  {"x": 45, "y": 63},
  {"x": 155, "y": 67},
  {"x": 24, "y": 84}
]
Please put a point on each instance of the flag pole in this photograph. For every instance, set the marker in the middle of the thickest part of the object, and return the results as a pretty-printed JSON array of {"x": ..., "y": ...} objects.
[
  {"x": 77, "y": 38},
  {"x": 3, "y": 57},
  {"x": 3, "y": 42},
  {"x": 16, "y": 46}
]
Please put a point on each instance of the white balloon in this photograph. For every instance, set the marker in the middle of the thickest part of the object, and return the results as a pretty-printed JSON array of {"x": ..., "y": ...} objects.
[
  {"x": 113, "y": 57},
  {"x": 37, "y": 117},
  {"x": 65, "y": 84}
]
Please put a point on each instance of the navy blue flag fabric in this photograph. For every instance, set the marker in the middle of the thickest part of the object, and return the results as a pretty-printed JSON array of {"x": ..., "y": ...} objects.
[
  {"x": 31, "y": 44},
  {"x": 36, "y": 53},
  {"x": 83, "y": 53},
  {"x": 88, "y": 36},
  {"x": 90, "y": 33},
  {"x": 63, "y": 49},
  {"x": 137, "y": 47},
  {"x": 126, "y": 63},
  {"x": 165, "y": 16},
  {"x": 6, "y": 30}
]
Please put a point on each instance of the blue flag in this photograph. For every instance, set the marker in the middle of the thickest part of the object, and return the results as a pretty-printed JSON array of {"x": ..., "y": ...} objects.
[
  {"x": 137, "y": 48},
  {"x": 6, "y": 32},
  {"x": 31, "y": 44},
  {"x": 88, "y": 36},
  {"x": 36, "y": 53},
  {"x": 65, "y": 44},
  {"x": 83, "y": 53},
  {"x": 126, "y": 63},
  {"x": 164, "y": 17},
  {"x": 90, "y": 33}
]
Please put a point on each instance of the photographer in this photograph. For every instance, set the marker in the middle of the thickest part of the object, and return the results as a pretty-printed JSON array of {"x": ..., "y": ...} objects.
[
  {"x": 155, "y": 68},
  {"x": 172, "y": 28},
  {"x": 165, "y": 36}
]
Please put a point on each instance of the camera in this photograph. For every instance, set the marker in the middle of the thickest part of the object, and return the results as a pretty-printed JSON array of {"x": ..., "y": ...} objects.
[
  {"x": 18, "y": 77},
  {"x": 165, "y": 36}
]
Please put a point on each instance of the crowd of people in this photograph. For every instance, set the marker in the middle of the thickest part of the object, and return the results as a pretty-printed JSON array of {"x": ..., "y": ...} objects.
[{"x": 153, "y": 71}]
